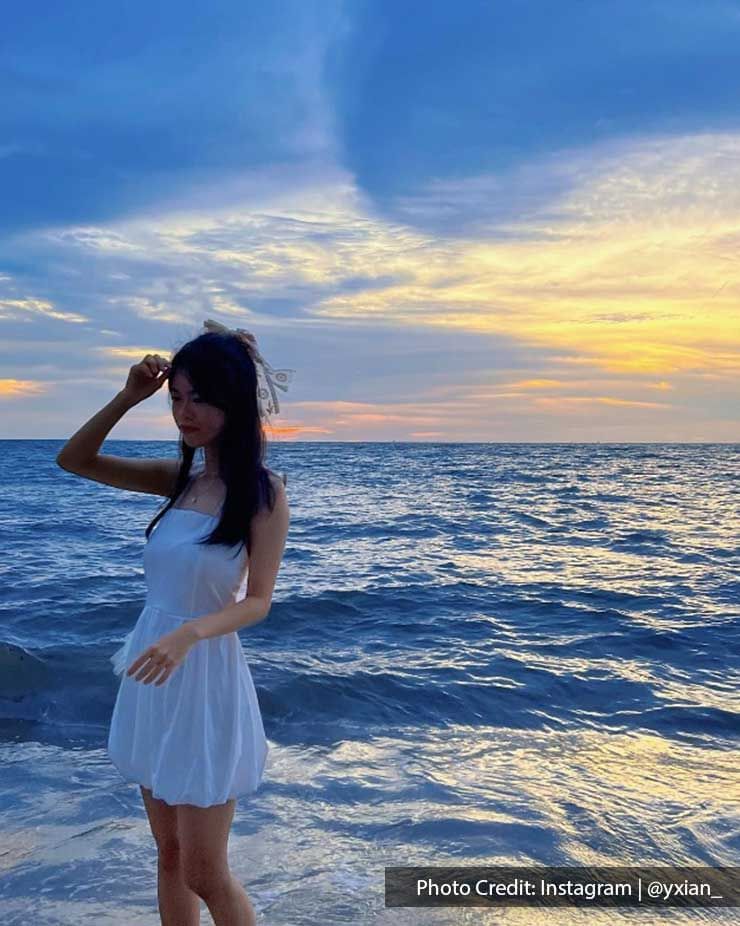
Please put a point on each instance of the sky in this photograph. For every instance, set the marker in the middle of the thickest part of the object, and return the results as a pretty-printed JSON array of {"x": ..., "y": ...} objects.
[{"x": 513, "y": 220}]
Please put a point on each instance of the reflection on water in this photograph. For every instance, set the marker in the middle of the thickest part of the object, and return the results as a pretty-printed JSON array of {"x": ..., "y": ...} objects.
[{"x": 477, "y": 654}]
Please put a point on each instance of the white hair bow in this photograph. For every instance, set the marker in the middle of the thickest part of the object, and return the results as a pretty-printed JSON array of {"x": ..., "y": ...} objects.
[{"x": 268, "y": 379}]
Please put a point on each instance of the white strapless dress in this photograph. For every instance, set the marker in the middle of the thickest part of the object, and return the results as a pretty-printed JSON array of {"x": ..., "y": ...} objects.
[{"x": 198, "y": 738}]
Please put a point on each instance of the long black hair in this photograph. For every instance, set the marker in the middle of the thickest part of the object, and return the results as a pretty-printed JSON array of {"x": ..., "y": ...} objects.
[{"x": 222, "y": 372}]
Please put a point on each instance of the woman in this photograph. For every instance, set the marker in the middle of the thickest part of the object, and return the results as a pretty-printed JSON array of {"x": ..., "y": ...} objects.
[{"x": 186, "y": 725}]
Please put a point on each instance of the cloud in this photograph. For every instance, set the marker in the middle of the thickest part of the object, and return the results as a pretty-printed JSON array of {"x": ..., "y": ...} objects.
[
  {"x": 440, "y": 101},
  {"x": 492, "y": 218},
  {"x": 111, "y": 110}
]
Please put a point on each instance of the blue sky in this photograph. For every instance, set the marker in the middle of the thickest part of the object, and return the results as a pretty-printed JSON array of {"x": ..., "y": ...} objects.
[{"x": 511, "y": 220}]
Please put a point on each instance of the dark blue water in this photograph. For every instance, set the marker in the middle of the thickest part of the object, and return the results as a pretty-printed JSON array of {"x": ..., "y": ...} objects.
[{"x": 476, "y": 654}]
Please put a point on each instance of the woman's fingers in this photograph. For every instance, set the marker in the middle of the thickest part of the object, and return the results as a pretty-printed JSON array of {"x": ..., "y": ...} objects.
[
  {"x": 141, "y": 664},
  {"x": 153, "y": 665},
  {"x": 149, "y": 670},
  {"x": 156, "y": 364},
  {"x": 155, "y": 673}
]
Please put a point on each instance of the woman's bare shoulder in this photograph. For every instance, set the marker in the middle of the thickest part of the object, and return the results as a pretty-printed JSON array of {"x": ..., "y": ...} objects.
[{"x": 278, "y": 479}]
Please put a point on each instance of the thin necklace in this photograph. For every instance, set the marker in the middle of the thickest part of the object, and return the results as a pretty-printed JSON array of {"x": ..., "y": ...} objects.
[{"x": 194, "y": 497}]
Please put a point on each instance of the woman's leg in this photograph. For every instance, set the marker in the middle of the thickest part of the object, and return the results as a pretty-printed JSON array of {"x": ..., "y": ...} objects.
[
  {"x": 204, "y": 836},
  {"x": 178, "y": 905}
]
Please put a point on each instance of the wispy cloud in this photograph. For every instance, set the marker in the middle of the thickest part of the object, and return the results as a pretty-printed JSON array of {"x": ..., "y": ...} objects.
[{"x": 527, "y": 240}]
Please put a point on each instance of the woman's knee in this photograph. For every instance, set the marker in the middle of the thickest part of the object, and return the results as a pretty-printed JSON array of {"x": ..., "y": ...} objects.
[
  {"x": 204, "y": 835},
  {"x": 206, "y": 877}
]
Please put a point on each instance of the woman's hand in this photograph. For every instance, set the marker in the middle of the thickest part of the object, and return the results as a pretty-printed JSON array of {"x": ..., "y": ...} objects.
[
  {"x": 146, "y": 377},
  {"x": 164, "y": 656}
]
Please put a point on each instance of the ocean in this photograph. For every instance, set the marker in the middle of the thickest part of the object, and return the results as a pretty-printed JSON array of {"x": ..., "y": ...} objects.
[{"x": 477, "y": 654}]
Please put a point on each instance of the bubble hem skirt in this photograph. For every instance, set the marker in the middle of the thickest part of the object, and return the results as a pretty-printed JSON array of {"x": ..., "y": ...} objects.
[{"x": 198, "y": 738}]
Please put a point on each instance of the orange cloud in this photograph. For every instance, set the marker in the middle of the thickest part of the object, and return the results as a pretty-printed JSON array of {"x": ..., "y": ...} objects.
[{"x": 21, "y": 388}]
